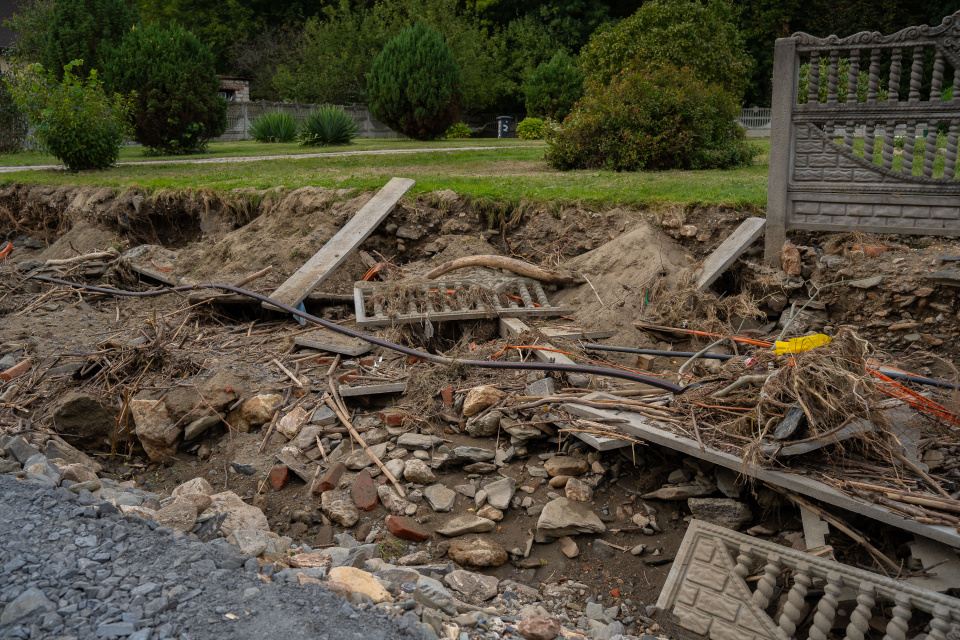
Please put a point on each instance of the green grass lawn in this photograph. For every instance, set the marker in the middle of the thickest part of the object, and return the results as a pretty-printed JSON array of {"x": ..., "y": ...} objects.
[
  {"x": 512, "y": 174},
  {"x": 251, "y": 148}
]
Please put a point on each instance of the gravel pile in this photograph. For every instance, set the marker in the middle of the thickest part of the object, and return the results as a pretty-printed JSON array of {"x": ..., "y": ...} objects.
[{"x": 73, "y": 567}]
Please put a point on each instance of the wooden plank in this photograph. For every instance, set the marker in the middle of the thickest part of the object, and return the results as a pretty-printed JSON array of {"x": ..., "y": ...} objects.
[
  {"x": 373, "y": 389},
  {"x": 512, "y": 328},
  {"x": 729, "y": 250},
  {"x": 573, "y": 333},
  {"x": 239, "y": 299},
  {"x": 329, "y": 340},
  {"x": 648, "y": 430},
  {"x": 331, "y": 255}
]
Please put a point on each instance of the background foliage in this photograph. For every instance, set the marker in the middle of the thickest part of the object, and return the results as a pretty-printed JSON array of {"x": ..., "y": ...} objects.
[
  {"x": 553, "y": 87},
  {"x": 13, "y": 122},
  {"x": 82, "y": 29}
]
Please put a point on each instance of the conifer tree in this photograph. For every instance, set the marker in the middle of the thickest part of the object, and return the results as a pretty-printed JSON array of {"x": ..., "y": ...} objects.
[{"x": 81, "y": 29}]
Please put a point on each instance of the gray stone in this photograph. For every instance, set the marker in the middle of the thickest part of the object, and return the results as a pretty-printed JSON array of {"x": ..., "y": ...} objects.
[
  {"x": 500, "y": 493},
  {"x": 198, "y": 427},
  {"x": 307, "y": 437},
  {"x": 439, "y": 497},
  {"x": 418, "y": 441},
  {"x": 21, "y": 450},
  {"x": 324, "y": 416},
  {"x": 340, "y": 508},
  {"x": 9, "y": 466},
  {"x": 723, "y": 512},
  {"x": 578, "y": 380},
  {"x": 727, "y": 482},
  {"x": 462, "y": 525},
  {"x": 418, "y": 472},
  {"x": 465, "y": 455},
  {"x": 115, "y": 629},
  {"x": 30, "y": 601},
  {"x": 359, "y": 459},
  {"x": 563, "y": 517},
  {"x": 679, "y": 476},
  {"x": 480, "y": 467},
  {"x": 395, "y": 467},
  {"x": 431, "y": 593},
  {"x": 251, "y": 542},
  {"x": 484, "y": 425},
  {"x": 39, "y": 465},
  {"x": 609, "y": 631},
  {"x": 472, "y": 586},
  {"x": 542, "y": 388},
  {"x": 467, "y": 490}
]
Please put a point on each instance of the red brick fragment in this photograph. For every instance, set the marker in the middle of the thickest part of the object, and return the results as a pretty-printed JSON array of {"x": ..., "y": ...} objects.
[
  {"x": 16, "y": 370},
  {"x": 447, "y": 395},
  {"x": 330, "y": 479},
  {"x": 279, "y": 477},
  {"x": 392, "y": 418},
  {"x": 348, "y": 376},
  {"x": 406, "y": 528},
  {"x": 364, "y": 492}
]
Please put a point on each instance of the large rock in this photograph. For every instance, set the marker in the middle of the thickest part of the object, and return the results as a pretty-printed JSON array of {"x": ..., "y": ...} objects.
[
  {"x": 180, "y": 515},
  {"x": 477, "y": 552},
  {"x": 431, "y": 593},
  {"x": 251, "y": 542},
  {"x": 723, "y": 512},
  {"x": 566, "y": 466},
  {"x": 539, "y": 627},
  {"x": 192, "y": 487},
  {"x": 79, "y": 473},
  {"x": 500, "y": 493},
  {"x": 39, "y": 465},
  {"x": 563, "y": 517},
  {"x": 254, "y": 412},
  {"x": 479, "y": 398},
  {"x": 420, "y": 441},
  {"x": 439, "y": 497},
  {"x": 290, "y": 424},
  {"x": 84, "y": 416},
  {"x": 484, "y": 426},
  {"x": 311, "y": 560},
  {"x": 462, "y": 525},
  {"x": 360, "y": 581},
  {"x": 340, "y": 508},
  {"x": 219, "y": 388},
  {"x": 28, "y": 602},
  {"x": 158, "y": 434},
  {"x": 472, "y": 586},
  {"x": 467, "y": 455},
  {"x": 240, "y": 515},
  {"x": 418, "y": 472}
]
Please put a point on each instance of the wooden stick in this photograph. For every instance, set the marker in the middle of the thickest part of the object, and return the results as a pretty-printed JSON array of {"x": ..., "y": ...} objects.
[
  {"x": 510, "y": 264},
  {"x": 254, "y": 276},
  {"x": 356, "y": 436},
  {"x": 920, "y": 472},
  {"x": 111, "y": 254},
  {"x": 290, "y": 375},
  {"x": 322, "y": 452}
]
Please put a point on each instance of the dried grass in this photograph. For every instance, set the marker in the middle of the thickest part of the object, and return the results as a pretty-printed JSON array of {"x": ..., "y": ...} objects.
[{"x": 688, "y": 307}]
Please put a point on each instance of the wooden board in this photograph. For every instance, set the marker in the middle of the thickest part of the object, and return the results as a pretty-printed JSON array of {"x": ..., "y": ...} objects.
[
  {"x": 373, "y": 389},
  {"x": 329, "y": 340},
  {"x": 512, "y": 327},
  {"x": 729, "y": 250},
  {"x": 331, "y": 255},
  {"x": 573, "y": 333}
]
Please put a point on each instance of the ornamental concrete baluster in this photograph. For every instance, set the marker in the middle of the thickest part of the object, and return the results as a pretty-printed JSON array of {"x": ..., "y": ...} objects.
[
  {"x": 888, "y": 144},
  {"x": 853, "y": 78},
  {"x": 744, "y": 562},
  {"x": 768, "y": 582},
  {"x": 894, "y": 84},
  {"x": 950, "y": 161},
  {"x": 832, "y": 78},
  {"x": 930, "y": 150},
  {"x": 793, "y": 608},
  {"x": 813, "y": 84},
  {"x": 869, "y": 140},
  {"x": 873, "y": 84},
  {"x": 956, "y": 85},
  {"x": 897, "y": 627},
  {"x": 916, "y": 74},
  {"x": 940, "y": 624},
  {"x": 909, "y": 142},
  {"x": 848, "y": 131},
  {"x": 860, "y": 618},
  {"x": 826, "y": 608},
  {"x": 936, "y": 83}
]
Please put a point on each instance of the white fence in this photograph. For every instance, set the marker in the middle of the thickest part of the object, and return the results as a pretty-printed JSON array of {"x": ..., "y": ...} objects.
[
  {"x": 241, "y": 114},
  {"x": 755, "y": 118}
]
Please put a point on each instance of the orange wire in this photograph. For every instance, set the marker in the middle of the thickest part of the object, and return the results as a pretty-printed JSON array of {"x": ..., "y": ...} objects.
[{"x": 915, "y": 400}]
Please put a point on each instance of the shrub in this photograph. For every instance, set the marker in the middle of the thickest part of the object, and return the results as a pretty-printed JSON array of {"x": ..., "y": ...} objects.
[
  {"x": 328, "y": 125},
  {"x": 177, "y": 109},
  {"x": 13, "y": 124},
  {"x": 275, "y": 126},
  {"x": 84, "y": 29},
  {"x": 685, "y": 33},
  {"x": 553, "y": 87},
  {"x": 532, "y": 129},
  {"x": 457, "y": 131},
  {"x": 661, "y": 118},
  {"x": 74, "y": 119},
  {"x": 415, "y": 84}
]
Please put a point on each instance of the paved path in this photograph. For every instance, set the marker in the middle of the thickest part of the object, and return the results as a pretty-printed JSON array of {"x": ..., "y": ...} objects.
[{"x": 292, "y": 156}]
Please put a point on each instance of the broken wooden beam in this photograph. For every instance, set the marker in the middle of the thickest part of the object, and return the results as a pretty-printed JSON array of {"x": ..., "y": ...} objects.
[
  {"x": 729, "y": 250},
  {"x": 335, "y": 251}
]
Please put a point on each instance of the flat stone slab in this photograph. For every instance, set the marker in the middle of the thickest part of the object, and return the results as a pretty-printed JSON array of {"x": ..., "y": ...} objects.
[
  {"x": 329, "y": 340},
  {"x": 729, "y": 250}
]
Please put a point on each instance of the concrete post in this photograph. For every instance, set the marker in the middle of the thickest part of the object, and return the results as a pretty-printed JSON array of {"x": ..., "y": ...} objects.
[{"x": 786, "y": 69}]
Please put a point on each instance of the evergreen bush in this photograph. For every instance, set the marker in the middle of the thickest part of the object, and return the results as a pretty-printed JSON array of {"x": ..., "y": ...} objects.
[
  {"x": 73, "y": 119},
  {"x": 457, "y": 131},
  {"x": 532, "y": 129},
  {"x": 83, "y": 30},
  {"x": 328, "y": 125},
  {"x": 415, "y": 84},
  {"x": 177, "y": 109},
  {"x": 661, "y": 118},
  {"x": 275, "y": 126},
  {"x": 553, "y": 87}
]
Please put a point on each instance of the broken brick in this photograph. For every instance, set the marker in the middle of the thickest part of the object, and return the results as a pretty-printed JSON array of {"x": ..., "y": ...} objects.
[
  {"x": 348, "y": 376},
  {"x": 392, "y": 418},
  {"x": 279, "y": 477},
  {"x": 16, "y": 370},
  {"x": 330, "y": 479},
  {"x": 447, "y": 395},
  {"x": 364, "y": 492},
  {"x": 406, "y": 528}
]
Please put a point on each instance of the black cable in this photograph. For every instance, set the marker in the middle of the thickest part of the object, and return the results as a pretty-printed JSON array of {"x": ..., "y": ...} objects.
[
  {"x": 527, "y": 366},
  {"x": 657, "y": 352}
]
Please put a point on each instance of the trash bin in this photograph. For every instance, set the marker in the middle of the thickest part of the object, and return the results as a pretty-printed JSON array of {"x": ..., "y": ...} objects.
[{"x": 503, "y": 126}]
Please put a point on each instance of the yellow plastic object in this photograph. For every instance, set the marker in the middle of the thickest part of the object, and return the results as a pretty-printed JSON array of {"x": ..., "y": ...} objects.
[{"x": 799, "y": 345}]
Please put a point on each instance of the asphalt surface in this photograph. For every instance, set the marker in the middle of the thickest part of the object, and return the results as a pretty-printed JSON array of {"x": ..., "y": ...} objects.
[{"x": 72, "y": 567}]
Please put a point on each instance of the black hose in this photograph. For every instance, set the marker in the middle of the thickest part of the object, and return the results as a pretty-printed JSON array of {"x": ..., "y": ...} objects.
[
  {"x": 930, "y": 382},
  {"x": 657, "y": 352},
  {"x": 527, "y": 366}
]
